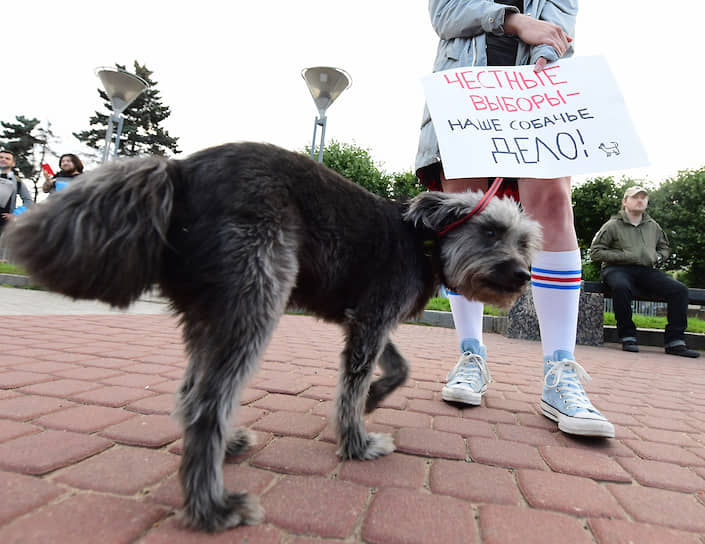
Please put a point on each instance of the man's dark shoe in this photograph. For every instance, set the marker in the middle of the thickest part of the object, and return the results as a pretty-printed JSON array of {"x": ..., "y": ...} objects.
[
  {"x": 630, "y": 345},
  {"x": 683, "y": 351}
]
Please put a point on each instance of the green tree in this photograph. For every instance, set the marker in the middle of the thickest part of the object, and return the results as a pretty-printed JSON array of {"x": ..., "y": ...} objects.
[
  {"x": 405, "y": 185},
  {"x": 357, "y": 164},
  {"x": 29, "y": 142},
  {"x": 677, "y": 205},
  {"x": 142, "y": 132}
]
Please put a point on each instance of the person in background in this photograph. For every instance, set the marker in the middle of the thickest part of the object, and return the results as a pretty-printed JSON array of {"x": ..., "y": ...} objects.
[
  {"x": 630, "y": 246},
  {"x": 511, "y": 33},
  {"x": 70, "y": 166},
  {"x": 10, "y": 187}
]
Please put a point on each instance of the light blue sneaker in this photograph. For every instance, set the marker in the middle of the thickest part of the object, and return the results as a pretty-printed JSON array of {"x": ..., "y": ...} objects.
[
  {"x": 468, "y": 380},
  {"x": 564, "y": 399}
]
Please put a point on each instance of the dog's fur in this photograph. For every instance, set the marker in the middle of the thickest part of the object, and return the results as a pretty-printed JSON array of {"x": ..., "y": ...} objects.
[{"x": 232, "y": 235}]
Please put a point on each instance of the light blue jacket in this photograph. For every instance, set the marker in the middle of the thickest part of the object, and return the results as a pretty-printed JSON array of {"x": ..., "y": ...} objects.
[{"x": 461, "y": 26}]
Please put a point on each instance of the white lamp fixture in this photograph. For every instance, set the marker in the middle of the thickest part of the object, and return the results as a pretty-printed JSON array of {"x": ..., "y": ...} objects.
[
  {"x": 122, "y": 88},
  {"x": 326, "y": 84}
]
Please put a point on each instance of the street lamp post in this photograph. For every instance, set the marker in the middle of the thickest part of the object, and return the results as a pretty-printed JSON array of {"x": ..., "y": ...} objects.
[
  {"x": 326, "y": 84},
  {"x": 122, "y": 89}
]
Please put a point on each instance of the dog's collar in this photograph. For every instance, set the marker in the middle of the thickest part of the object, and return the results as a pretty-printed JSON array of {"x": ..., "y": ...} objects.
[{"x": 491, "y": 191}]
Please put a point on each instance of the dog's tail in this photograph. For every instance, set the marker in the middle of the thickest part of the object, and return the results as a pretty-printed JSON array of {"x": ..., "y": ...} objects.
[{"x": 103, "y": 237}]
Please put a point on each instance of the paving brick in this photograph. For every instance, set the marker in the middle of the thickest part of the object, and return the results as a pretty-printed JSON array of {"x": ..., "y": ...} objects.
[
  {"x": 394, "y": 470},
  {"x": 430, "y": 443},
  {"x": 88, "y": 373},
  {"x": 658, "y": 506},
  {"x": 540, "y": 422},
  {"x": 527, "y": 435},
  {"x": 150, "y": 431},
  {"x": 158, "y": 404},
  {"x": 136, "y": 381},
  {"x": 663, "y": 475},
  {"x": 297, "y": 456},
  {"x": 398, "y": 516},
  {"x": 515, "y": 525},
  {"x": 22, "y": 494},
  {"x": 13, "y": 429},
  {"x": 320, "y": 392},
  {"x": 665, "y": 452},
  {"x": 237, "y": 478},
  {"x": 567, "y": 494},
  {"x": 43, "y": 452},
  {"x": 624, "y": 532},
  {"x": 171, "y": 532},
  {"x": 246, "y": 415},
  {"x": 473, "y": 482},
  {"x": 112, "y": 396},
  {"x": 289, "y": 403},
  {"x": 613, "y": 448},
  {"x": 59, "y": 388},
  {"x": 291, "y": 424},
  {"x": 504, "y": 453},
  {"x": 121, "y": 470},
  {"x": 84, "y": 418},
  {"x": 18, "y": 378},
  {"x": 677, "y": 424},
  {"x": 315, "y": 506},
  {"x": 285, "y": 385},
  {"x": 668, "y": 437},
  {"x": 464, "y": 427},
  {"x": 585, "y": 463},
  {"x": 399, "y": 418},
  {"x": 84, "y": 519},
  {"x": 46, "y": 367},
  {"x": 434, "y": 408},
  {"x": 515, "y": 406},
  {"x": 489, "y": 414}
]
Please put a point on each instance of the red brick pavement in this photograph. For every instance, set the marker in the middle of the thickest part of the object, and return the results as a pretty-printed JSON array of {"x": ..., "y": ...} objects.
[{"x": 89, "y": 453}]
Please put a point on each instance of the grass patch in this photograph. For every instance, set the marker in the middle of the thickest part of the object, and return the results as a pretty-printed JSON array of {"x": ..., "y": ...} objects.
[
  {"x": 641, "y": 321},
  {"x": 7, "y": 268},
  {"x": 442, "y": 304},
  {"x": 657, "y": 322}
]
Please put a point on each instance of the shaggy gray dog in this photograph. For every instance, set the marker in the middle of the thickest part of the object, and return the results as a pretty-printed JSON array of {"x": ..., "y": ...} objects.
[{"x": 232, "y": 235}]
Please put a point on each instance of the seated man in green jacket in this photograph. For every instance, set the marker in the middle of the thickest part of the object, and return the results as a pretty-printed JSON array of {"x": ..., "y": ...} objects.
[{"x": 629, "y": 246}]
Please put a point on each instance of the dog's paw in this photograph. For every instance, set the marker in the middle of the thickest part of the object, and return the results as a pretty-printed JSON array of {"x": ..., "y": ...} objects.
[
  {"x": 375, "y": 445},
  {"x": 239, "y": 442},
  {"x": 236, "y": 509}
]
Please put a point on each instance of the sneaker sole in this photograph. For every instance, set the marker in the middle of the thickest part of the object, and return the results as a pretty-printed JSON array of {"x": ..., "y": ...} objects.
[
  {"x": 580, "y": 427},
  {"x": 465, "y": 397}
]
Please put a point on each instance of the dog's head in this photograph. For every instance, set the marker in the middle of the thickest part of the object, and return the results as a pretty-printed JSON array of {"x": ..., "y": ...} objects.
[{"x": 488, "y": 257}]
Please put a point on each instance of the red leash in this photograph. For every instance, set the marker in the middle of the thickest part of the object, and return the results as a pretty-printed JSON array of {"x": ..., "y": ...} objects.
[{"x": 491, "y": 191}]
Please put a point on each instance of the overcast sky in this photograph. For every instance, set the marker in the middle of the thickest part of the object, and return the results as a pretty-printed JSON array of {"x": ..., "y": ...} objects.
[{"x": 230, "y": 71}]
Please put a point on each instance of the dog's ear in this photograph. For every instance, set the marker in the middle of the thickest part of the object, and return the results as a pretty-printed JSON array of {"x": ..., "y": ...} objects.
[
  {"x": 434, "y": 210},
  {"x": 425, "y": 209}
]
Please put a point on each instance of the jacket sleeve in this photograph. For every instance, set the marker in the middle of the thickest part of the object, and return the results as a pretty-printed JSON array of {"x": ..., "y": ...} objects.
[
  {"x": 562, "y": 13},
  {"x": 662, "y": 247},
  {"x": 603, "y": 248},
  {"x": 467, "y": 18},
  {"x": 25, "y": 195}
]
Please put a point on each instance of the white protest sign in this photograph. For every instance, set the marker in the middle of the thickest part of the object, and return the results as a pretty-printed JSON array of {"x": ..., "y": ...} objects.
[{"x": 510, "y": 121}]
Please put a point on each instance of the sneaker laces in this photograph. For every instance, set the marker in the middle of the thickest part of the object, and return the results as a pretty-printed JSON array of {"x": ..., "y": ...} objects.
[
  {"x": 568, "y": 374},
  {"x": 472, "y": 369}
]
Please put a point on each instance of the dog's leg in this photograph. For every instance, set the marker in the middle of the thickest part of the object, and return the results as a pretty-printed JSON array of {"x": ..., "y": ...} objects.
[
  {"x": 395, "y": 371},
  {"x": 239, "y": 442},
  {"x": 226, "y": 331},
  {"x": 363, "y": 346},
  {"x": 206, "y": 404}
]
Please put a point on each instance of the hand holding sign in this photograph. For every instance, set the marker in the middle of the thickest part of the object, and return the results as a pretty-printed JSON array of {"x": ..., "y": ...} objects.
[{"x": 511, "y": 121}]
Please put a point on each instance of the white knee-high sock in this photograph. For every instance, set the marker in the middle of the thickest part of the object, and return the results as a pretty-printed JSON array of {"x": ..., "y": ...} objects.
[
  {"x": 555, "y": 285},
  {"x": 467, "y": 315}
]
